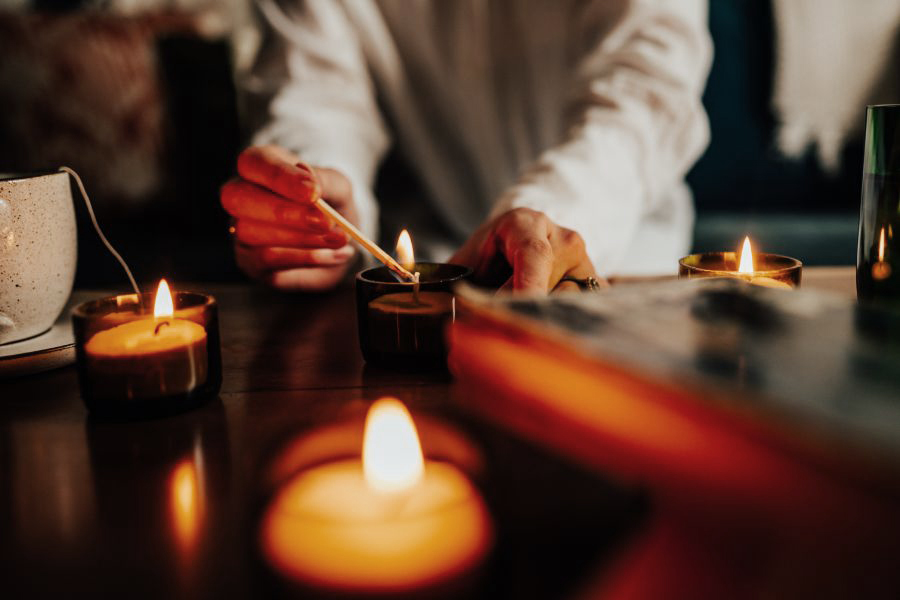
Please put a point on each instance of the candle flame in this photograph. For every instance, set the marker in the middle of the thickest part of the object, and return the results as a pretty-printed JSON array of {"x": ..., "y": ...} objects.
[
  {"x": 881, "y": 246},
  {"x": 405, "y": 255},
  {"x": 746, "y": 264},
  {"x": 163, "y": 305},
  {"x": 392, "y": 456}
]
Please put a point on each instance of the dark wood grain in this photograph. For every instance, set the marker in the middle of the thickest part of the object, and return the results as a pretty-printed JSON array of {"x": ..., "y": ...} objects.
[{"x": 86, "y": 507}]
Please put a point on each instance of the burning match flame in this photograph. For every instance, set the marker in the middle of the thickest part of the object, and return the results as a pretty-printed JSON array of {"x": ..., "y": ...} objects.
[{"x": 405, "y": 255}]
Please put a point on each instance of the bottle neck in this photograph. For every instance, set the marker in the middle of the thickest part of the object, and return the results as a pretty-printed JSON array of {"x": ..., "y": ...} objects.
[{"x": 882, "y": 140}]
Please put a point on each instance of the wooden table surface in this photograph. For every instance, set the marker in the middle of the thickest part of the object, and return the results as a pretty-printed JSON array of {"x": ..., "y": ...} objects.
[{"x": 98, "y": 508}]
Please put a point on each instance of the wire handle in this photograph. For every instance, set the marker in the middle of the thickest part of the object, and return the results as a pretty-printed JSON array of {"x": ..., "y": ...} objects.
[{"x": 90, "y": 209}]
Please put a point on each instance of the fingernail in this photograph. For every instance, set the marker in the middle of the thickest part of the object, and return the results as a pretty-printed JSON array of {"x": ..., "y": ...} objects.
[
  {"x": 343, "y": 253},
  {"x": 317, "y": 222},
  {"x": 295, "y": 216}
]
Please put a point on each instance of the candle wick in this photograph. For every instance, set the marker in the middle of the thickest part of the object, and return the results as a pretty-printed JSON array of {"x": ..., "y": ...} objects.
[
  {"x": 416, "y": 288},
  {"x": 158, "y": 327}
]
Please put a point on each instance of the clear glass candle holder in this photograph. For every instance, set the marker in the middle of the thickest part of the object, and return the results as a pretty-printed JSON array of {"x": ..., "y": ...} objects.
[
  {"x": 402, "y": 325},
  {"x": 771, "y": 270},
  {"x": 132, "y": 364}
]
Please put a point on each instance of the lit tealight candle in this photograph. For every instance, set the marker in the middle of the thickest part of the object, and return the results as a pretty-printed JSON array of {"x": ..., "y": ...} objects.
[
  {"x": 765, "y": 270},
  {"x": 388, "y": 523},
  {"x": 154, "y": 356},
  {"x": 747, "y": 267},
  {"x": 414, "y": 302},
  {"x": 401, "y": 324}
]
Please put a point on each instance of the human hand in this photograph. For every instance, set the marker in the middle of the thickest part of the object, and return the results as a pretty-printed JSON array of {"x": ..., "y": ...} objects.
[
  {"x": 525, "y": 251},
  {"x": 280, "y": 237}
]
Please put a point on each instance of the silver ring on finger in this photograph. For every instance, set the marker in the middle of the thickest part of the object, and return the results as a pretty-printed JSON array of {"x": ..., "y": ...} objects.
[{"x": 585, "y": 284}]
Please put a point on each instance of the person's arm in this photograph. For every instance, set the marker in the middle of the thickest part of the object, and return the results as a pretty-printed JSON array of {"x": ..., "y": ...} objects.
[
  {"x": 636, "y": 125},
  {"x": 321, "y": 109},
  {"x": 324, "y": 109}
]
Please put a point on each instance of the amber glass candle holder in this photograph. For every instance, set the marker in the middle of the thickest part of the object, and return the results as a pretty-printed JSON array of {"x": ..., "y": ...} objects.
[
  {"x": 401, "y": 325},
  {"x": 771, "y": 270},
  {"x": 132, "y": 364}
]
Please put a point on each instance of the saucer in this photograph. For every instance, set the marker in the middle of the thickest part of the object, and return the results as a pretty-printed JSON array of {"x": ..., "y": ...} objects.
[{"x": 52, "y": 349}]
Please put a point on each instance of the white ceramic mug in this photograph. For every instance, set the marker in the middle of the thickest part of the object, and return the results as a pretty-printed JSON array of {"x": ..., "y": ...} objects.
[{"x": 38, "y": 252}]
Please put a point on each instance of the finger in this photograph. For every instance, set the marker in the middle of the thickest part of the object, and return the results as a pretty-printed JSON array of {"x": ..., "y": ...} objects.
[
  {"x": 274, "y": 258},
  {"x": 570, "y": 257},
  {"x": 242, "y": 199},
  {"x": 584, "y": 270},
  {"x": 566, "y": 286},
  {"x": 334, "y": 186},
  {"x": 532, "y": 261},
  {"x": 276, "y": 169},
  {"x": 524, "y": 236},
  {"x": 258, "y": 233},
  {"x": 315, "y": 279}
]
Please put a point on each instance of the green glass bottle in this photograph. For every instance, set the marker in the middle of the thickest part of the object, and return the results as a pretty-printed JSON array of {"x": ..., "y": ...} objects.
[{"x": 878, "y": 254}]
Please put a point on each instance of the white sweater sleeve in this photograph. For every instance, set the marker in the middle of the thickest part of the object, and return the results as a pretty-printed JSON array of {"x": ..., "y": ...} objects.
[
  {"x": 321, "y": 100},
  {"x": 635, "y": 126}
]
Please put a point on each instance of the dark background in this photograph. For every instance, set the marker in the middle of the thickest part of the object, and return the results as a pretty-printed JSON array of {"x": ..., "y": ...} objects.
[{"x": 161, "y": 94}]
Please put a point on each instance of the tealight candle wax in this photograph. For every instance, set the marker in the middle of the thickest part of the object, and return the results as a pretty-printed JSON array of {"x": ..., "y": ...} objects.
[
  {"x": 765, "y": 270},
  {"x": 129, "y": 361},
  {"x": 389, "y": 523}
]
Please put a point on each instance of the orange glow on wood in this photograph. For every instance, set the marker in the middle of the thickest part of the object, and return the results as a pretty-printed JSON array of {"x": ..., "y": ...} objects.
[{"x": 185, "y": 504}]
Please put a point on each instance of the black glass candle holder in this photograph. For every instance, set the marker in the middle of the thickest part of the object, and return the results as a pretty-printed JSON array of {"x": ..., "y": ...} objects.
[
  {"x": 401, "y": 324},
  {"x": 132, "y": 364}
]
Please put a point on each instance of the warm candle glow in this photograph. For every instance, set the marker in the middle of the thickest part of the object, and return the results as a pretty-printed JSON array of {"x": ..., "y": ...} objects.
[
  {"x": 382, "y": 525},
  {"x": 163, "y": 305},
  {"x": 185, "y": 504},
  {"x": 405, "y": 255},
  {"x": 881, "y": 270},
  {"x": 746, "y": 265},
  {"x": 392, "y": 456}
]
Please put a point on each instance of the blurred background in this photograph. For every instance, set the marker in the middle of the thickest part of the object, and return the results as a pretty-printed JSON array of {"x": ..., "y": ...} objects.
[{"x": 142, "y": 98}]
